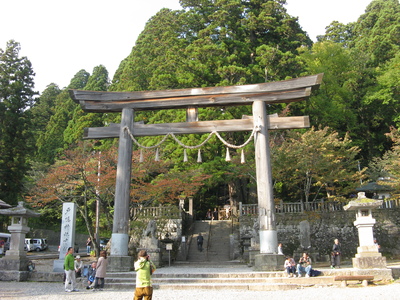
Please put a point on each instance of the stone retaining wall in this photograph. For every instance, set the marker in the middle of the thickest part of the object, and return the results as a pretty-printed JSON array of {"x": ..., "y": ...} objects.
[{"x": 325, "y": 227}]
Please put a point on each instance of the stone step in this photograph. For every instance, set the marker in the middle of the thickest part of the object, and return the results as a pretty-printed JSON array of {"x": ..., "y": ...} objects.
[
  {"x": 232, "y": 281},
  {"x": 247, "y": 287}
]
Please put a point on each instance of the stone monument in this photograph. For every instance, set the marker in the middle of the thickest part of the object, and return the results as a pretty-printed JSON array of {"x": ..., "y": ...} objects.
[
  {"x": 14, "y": 266},
  {"x": 67, "y": 236},
  {"x": 368, "y": 256},
  {"x": 149, "y": 242},
  {"x": 305, "y": 242}
]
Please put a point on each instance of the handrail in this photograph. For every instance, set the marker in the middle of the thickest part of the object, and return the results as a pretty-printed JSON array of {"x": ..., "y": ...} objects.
[{"x": 209, "y": 238}]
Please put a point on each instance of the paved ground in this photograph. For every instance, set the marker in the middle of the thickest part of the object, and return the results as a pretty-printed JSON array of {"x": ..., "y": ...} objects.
[
  {"x": 55, "y": 291},
  {"x": 51, "y": 290}
]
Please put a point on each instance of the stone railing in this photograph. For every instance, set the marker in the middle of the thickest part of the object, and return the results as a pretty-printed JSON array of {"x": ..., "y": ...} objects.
[
  {"x": 319, "y": 206},
  {"x": 170, "y": 212}
]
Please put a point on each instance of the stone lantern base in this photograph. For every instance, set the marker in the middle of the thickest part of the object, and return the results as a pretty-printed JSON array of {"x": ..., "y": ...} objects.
[
  {"x": 14, "y": 269},
  {"x": 15, "y": 264},
  {"x": 369, "y": 262},
  {"x": 369, "y": 258},
  {"x": 268, "y": 262}
]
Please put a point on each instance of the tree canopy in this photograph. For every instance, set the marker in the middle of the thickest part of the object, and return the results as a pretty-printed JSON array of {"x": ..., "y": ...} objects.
[
  {"x": 16, "y": 97},
  {"x": 217, "y": 43}
]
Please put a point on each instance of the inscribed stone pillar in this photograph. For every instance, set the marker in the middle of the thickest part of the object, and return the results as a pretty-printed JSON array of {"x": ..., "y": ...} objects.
[
  {"x": 119, "y": 259},
  {"x": 67, "y": 236},
  {"x": 305, "y": 241}
]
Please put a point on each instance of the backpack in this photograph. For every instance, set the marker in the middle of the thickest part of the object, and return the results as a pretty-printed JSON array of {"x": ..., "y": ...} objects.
[{"x": 314, "y": 273}]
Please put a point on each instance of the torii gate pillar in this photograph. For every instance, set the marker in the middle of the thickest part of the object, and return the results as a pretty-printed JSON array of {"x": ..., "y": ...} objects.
[
  {"x": 119, "y": 259},
  {"x": 268, "y": 259}
]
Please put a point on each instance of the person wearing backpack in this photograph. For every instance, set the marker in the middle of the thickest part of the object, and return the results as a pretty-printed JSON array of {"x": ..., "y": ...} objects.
[{"x": 144, "y": 268}]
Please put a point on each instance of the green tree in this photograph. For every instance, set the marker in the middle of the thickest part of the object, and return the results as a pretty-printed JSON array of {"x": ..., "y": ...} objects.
[
  {"x": 377, "y": 31},
  {"x": 16, "y": 97},
  {"x": 338, "y": 32},
  {"x": 342, "y": 101},
  {"x": 51, "y": 142},
  {"x": 98, "y": 81},
  {"x": 389, "y": 164},
  {"x": 315, "y": 164},
  {"x": 44, "y": 109},
  {"x": 211, "y": 43},
  {"x": 387, "y": 90}
]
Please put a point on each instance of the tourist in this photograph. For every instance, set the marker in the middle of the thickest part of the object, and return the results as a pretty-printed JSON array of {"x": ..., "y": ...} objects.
[
  {"x": 377, "y": 245},
  {"x": 336, "y": 253},
  {"x": 91, "y": 275},
  {"x": 209, "y": 215},
  {"x": 227, "y": 208},
  {"x": 88, "y": 245},
  {"x": 290, "y": 266},
  {"x": 200, "y": 240},
  {"x": 280, "y": 250},
  {"x": 304, "y": 265},
  {"x": 101, "y": 271},
  {"x": 144, "y": 268},
  {"x": 215, "y": 214},
  {"x": 69, "y": 268},
  {"x": 78, "y": 266}
]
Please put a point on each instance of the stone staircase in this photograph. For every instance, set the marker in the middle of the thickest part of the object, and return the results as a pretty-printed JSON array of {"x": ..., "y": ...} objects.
[
  {"x": 234, "y": 277},
  {"x": 219, "y": 243},
  {"x": 194, "y": 255},
  {"x": 212, "y": 269},
  {"x": 238, "y": 281}
]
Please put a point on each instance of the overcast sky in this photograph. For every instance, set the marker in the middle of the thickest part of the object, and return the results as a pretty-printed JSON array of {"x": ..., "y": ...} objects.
[{"x": 62, "y": 37}]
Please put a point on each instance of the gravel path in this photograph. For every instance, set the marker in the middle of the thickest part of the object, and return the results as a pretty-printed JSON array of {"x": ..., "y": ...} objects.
[{"x": 55, "y": 291}]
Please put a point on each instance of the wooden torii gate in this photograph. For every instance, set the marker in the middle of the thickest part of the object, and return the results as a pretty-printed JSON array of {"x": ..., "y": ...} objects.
[{"x": 257, "y": 95}]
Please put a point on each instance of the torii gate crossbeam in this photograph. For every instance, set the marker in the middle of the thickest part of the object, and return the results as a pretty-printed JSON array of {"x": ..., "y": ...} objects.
[{"x": 257, "y": 95}]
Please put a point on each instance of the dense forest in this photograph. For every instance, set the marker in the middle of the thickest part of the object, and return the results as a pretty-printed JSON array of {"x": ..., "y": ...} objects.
[{"x": 355, "y": 114}]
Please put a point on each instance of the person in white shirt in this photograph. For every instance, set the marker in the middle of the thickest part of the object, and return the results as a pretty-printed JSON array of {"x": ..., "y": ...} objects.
[{"x": 78, "y": 266}]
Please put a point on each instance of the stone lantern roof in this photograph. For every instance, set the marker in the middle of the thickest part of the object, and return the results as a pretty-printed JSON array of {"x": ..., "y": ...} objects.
[
  {"x": 363, "y": 202},
  {"x": 20, "y": 211},
  {"x": 4, "y": 205}
]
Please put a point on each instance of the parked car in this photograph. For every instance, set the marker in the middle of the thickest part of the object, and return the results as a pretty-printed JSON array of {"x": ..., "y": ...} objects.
[
  {"x": 29, "y": 245},
  {"x": 39, "y": 244},
  {"x": 4, "y": 242}
]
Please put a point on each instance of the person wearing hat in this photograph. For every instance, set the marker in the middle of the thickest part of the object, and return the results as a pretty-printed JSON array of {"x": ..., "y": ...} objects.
[{"x": 78, "y": 266}]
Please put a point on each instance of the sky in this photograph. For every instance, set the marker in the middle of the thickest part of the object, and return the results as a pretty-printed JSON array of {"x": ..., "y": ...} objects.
[{"x": 62, "y": 37}]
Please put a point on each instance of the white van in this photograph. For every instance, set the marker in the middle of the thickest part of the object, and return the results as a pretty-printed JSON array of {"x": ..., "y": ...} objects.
[
  {"x": 29, "y": 244},
  {"x": 4, "y": 242},
  {"x": 39, "y": 244}
]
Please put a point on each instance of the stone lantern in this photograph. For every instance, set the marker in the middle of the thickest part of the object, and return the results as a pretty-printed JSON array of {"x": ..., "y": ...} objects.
[
  {"x": 15, "y": 258},
  {"x": 368, "y": 256}
]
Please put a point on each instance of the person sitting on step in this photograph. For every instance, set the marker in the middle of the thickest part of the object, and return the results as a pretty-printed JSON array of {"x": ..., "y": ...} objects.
[
  {"x": 290, "y": 266},
  {"x": 304, "y": 265}
]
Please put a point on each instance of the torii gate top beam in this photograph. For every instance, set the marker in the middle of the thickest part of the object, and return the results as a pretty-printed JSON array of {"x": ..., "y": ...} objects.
[{"x": 271, "y": 92}]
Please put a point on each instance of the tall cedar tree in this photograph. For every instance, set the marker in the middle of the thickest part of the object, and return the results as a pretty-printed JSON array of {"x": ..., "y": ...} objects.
[
  {"x": 16, "y": 97},
  {"x": 98, "y": 81},
  {"x": 211, "y": 43},
  {"x": 44, "y": 109},
  {"x": 51, "y": 143}
]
